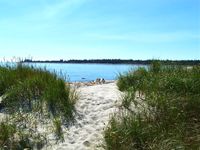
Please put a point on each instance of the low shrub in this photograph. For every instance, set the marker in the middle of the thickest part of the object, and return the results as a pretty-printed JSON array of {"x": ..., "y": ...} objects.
[
  {"x": 161, "y": 110},
  {"x": 34, "y": 96}
]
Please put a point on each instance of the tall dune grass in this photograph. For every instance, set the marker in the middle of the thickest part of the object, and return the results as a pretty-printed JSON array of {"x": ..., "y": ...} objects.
[
  {"x": 160, "y": 110},
  {"x": 31, "y": 96}
]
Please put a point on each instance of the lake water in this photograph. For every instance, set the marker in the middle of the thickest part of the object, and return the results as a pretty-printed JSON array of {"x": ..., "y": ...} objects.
[{"x": 86, "y": 72}]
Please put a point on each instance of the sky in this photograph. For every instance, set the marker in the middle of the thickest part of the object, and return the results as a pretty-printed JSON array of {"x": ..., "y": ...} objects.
[{"x": 96, "y": 29}]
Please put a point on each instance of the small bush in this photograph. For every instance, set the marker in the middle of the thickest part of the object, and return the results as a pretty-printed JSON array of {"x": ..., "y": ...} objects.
[
  {"x": 7, "y": 134},
  {"x": 58, "y": 129},
  {"x": 31, "y": 96},
  {"x": 12, "y": 137},
  {"x": 161, "y": 110}
]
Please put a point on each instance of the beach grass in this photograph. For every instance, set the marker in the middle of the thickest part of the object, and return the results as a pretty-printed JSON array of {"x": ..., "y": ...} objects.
[
  {"x": 29, "y": 97},
  {"x": 160, "y": 109}
]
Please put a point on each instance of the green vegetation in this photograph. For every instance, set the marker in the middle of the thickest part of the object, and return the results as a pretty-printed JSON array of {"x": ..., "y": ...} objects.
[
  {"x": 31, "y": 99},
  {"x": 58, "y": 129},
  {"x": 115, "y": 61},
  {"x": 15, "y": 138},
  {"x": 160, "y": 110}
]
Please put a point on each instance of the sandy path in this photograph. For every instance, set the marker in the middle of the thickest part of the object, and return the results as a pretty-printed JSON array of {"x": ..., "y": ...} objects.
[{"x": 95, "y": 106}]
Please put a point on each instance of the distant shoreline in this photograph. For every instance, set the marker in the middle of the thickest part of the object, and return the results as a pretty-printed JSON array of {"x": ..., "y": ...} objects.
[{"x": 115, "y": 61}]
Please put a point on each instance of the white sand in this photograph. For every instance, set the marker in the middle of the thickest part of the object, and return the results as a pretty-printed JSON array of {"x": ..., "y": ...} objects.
[{"x": 95, "y": 106}]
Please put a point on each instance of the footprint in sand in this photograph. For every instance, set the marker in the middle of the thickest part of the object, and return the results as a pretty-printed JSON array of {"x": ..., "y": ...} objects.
[{"x": 94, "y": 107}]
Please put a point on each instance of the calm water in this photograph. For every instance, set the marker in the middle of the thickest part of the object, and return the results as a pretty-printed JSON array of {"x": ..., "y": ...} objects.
[{"x": 86, "y": 72}]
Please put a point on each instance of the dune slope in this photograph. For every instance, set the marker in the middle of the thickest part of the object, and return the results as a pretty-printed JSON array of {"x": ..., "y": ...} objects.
[{"x": 94, "y": 108}]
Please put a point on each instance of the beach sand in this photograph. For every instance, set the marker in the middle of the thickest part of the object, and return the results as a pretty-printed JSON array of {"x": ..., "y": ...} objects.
[{"x": 94, "y": 108}]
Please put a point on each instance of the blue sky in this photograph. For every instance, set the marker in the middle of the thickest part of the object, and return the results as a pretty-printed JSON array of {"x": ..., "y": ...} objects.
[{"x": 85, "y": 29}]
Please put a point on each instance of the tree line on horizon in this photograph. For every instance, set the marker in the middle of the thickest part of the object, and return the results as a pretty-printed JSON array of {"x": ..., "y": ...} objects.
[{"x": 115, "y": 61}]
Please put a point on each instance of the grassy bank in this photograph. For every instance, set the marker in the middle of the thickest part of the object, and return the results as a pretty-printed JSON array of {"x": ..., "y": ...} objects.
[
  {"x": 31, "y": 99},
  {"x": 160, "y": 110}
]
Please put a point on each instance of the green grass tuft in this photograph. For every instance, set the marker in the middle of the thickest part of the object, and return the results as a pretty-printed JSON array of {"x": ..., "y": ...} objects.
[
  {"x": 161, "y": 110},
  {"x": 31, "y": 96}
]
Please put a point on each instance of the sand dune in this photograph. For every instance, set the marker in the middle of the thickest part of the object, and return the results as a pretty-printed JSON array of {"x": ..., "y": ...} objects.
[{"x": 94, "y": 108}]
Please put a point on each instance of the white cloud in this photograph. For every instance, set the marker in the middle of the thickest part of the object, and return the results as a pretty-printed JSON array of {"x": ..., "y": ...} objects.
[
  {"x": 39, "y": 10},
  {"x": 38, "y": 15}
]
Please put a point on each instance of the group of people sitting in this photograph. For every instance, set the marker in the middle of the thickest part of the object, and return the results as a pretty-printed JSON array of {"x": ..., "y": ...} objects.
[
  {"x": 100, "y": 81},
  {"x": 90, "y": 83}
]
